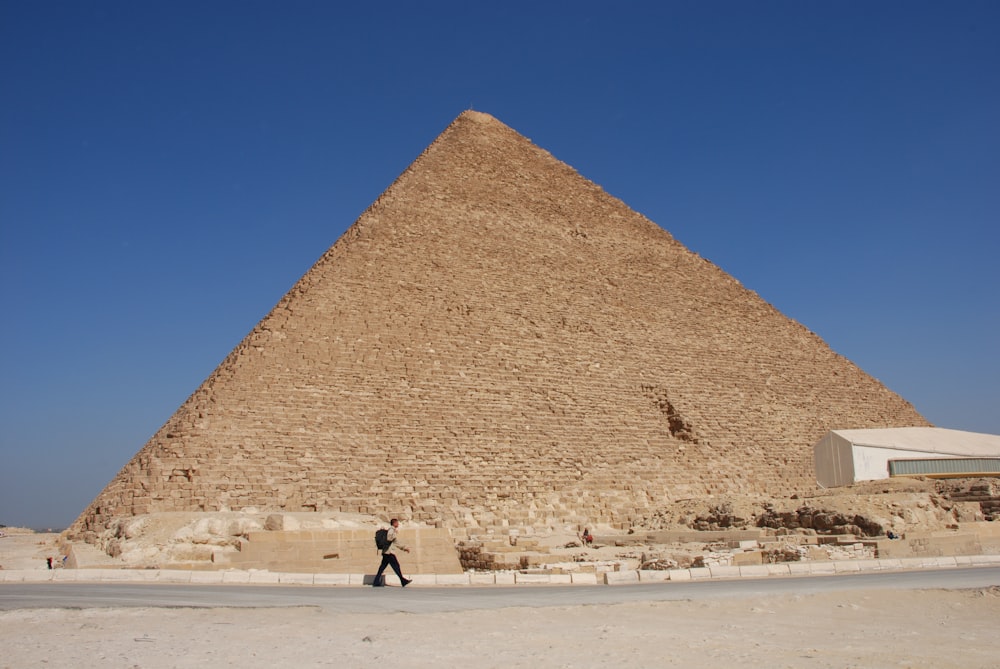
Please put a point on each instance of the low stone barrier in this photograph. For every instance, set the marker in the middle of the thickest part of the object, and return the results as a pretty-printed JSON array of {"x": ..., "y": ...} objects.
[{"x": 254, "y": 577}]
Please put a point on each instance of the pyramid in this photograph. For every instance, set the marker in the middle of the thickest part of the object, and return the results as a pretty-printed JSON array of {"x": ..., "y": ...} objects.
[{"x": 496, "y": 343}]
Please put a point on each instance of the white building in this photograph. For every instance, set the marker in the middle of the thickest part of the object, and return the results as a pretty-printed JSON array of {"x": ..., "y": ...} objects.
[{"x": 843, "y": 457}]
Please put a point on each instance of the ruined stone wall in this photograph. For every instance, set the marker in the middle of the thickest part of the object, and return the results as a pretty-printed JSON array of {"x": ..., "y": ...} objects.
[{"x": 498, "y": 342}]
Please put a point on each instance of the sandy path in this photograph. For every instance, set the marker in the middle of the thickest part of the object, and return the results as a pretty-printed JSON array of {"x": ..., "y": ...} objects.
[{"x": 931, "y": 629}]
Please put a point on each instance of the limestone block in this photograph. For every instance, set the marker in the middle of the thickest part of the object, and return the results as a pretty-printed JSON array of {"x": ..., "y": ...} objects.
[
  {"x": 815, "y": 553},
  {"x": 101, "y": 574},
  {"x": 621, "y": 577},
  {"x": 65, "y": 574},
  {"x": 748, "y": 558},
  {"x": 846, "y": 566},
  {"x": 754, "y": 571},
  {"x": 281, "y": 522},
  {"x": 938, "y": 562},
  {"x": 985, "y": 559},
  {"x": 36, "y": 575},
  {"x": 262, "y": 577},
  {"x": 505, "y": 578},
  {"x": 826, "y": 567},
  {"x": 799, "y": 568},
  {"x": 724, "y": 571},
  {"x": 654, "y": 575}
]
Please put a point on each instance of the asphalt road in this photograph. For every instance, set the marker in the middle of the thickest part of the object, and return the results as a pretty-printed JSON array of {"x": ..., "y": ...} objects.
[{"x": 436, "y": 599}]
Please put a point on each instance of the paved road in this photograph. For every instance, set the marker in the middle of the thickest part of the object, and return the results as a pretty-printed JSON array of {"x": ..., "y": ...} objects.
[{"x": 437, "y": 599}]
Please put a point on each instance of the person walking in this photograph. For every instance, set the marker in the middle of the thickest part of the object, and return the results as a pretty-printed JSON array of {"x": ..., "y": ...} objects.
[{"x": 389, "y": 558}]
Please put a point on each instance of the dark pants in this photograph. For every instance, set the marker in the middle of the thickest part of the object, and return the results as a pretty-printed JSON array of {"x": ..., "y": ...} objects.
[{"x": 389, "y": 560}]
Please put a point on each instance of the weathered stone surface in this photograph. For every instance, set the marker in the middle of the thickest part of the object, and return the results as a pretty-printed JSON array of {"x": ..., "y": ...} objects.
[{"x": 499, "y": 343}]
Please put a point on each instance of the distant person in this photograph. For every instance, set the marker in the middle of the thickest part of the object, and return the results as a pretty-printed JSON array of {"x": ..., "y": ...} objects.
[
  {"x": 587, "y": 537},
  {"x": 389, "y": 558}
]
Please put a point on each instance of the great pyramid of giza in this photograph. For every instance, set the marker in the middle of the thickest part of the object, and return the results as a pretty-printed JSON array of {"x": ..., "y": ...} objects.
[{"x": 497, "y": 342}]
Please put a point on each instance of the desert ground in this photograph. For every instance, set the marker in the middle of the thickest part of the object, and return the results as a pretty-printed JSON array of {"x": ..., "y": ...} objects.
[{"x": 897, "y": 629}]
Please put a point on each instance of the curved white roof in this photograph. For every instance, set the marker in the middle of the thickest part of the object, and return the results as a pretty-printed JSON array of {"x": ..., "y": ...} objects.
[{"x": 929, "y": 439}]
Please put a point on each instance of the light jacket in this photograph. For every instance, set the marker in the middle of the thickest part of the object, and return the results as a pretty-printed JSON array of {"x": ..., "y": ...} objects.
[{"x": 391, "y": 538}]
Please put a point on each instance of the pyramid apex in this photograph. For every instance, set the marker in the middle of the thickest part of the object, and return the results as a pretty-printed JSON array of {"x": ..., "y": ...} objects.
[{"x": 478, "y": 116}]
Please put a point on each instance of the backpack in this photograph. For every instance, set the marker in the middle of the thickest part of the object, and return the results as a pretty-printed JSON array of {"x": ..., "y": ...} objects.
[{"x": 382, "y": 539}]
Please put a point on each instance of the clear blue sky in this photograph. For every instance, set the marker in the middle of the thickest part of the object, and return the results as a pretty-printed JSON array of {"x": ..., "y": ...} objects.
[{"x": 168, "y": 170}]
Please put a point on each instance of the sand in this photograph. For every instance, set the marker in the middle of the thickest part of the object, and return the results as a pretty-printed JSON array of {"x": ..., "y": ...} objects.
[
  {"x": 898, "y": 629},
  {"x": 932, "y": 629}
]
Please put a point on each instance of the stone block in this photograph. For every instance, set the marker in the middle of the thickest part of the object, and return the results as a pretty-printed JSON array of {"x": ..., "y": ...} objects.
[
  {"x": 331, "y": 579},
  {"x": 846, "y": 566},
  {"x": 621, "y": 577},
  {"x": 143, "y": 575},
  {"x": 65, "y": 574},
  {"x": 822, "y": 567},
  {"x": 531, "y": 578},
  {"x": 175, "y": 576},
  {"x": 450, "y": 579},
  {"x": 654, "y": 575},
  {"x": 724, "y": 572},
  {"x": 37, "y": 575},
  {"x": 482, "y": 578},
  {"x": 101, "y": 574},
  {"x": 206, "y": 577},
  {"x": 748, "y": 558},
  {"x": 505, "y": 578},
  {"x": 754, "y": 571},
  {"x": 583, "y": 578},
  {"x": 700, "y": 572},
  {"x": 985, "y": 559},
  {"x": 235, "y": 576},
  {"x": 291, "y": 578},
  {"x": 679, "y": 574},
  {"x": 261, "y": 537},
  {"x": 939, "y": 562}
]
